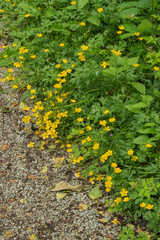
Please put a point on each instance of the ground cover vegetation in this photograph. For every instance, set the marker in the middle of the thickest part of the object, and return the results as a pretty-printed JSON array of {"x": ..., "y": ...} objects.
[{"x": 90, "y": 68}]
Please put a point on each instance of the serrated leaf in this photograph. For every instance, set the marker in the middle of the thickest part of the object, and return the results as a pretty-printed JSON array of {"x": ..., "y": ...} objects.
[
  {"x": 82, "y": 3},
  {"x": 95, "y": 193},
  {"x": 94, "y": 20},
  {"x": 144, "y": 25},
  {"x": 147, "y": 98},
  {"x": 157, "y": 93},
  {"x": 140, "y": 87},
  {"x": 61, "y": 195}
]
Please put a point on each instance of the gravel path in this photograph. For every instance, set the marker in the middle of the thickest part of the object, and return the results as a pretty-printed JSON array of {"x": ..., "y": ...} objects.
[{"x": 27, "y": 206}]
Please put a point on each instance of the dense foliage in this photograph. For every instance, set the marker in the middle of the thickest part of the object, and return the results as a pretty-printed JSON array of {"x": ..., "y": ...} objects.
[{"x": 91, "y": 70}]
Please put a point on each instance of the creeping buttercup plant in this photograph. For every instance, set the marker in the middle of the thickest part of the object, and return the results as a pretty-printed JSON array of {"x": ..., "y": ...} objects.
[{"x": 91, "y": 71}]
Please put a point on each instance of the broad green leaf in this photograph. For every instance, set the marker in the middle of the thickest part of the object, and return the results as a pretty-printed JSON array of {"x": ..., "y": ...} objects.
[
  {"x": 157, "y": 93},
  {"x": 82, "y": 3},
  {"x": 144, "y": 25},
  {"x": 141, "y": 139},
  {"x": 131, "y": 61},
  {"x": 50, "y": 12},
  {"x": 94, "y": 20},
  {"x": 126, "y": 35},
  {"x": 129, "y": 11},
  {"x": 140, "y": 87},
  {"x": 147, "y": 131},
  {"x": 147, "y": 98},
  {"x": 136, "y": 108},
  {"x": 130, "y": 27},
  {"x": 144, "y": 3},
  {"x": 95, "y": 193},
  {"x": 149, "y": 124}
]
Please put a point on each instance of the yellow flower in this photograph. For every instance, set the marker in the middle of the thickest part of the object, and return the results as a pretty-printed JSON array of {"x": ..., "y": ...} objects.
[
  {"x": 4, "y": 47},
  {"x": 136, "y": 65},
  {"x": 58, "y": 65},
  {"x": 80, "y": 119},
  {"x": 117, "y": 170},
  {"x": 104, "y": 64},
  {"x": 26, "y": 119},
  {"x": 33, "y": 91},
  {"x": 61, "y": 44},
  {"x": 33, "y": 56},
  {"x": 149, "y": 206},
  {"x": 112, "y": 119},
  {"x": 107, "y": 129},
  {"x": 73, "y": 2},
  {"x": 31, "y": 144},
  {"x": 39, "y": 35},
  {"x": 142, "y": 204},
  {"x": 84, "y": 47},
  {"x": 106, "y": 111},
  {"x": 10, "y": 70},
  {"x": 100, "y": 9},
  {"x": 88, "y": 139},
  {"x": 69, "y": 150},
  {"x": 14, "y": 44},
  {"x": 5, "y": 56},
  {"x": 121, "y": 27},
  {"x": 130, "y": 152},
  {"x": 83, "y": 141},
  {"x": 114, "y": 165},
  {"x": 91, "y": 173},
  {"x": 27, "y": 15},
  {"x": 78, "y": 110},
  {"x": 156, "y": 68},
  {"x": 81, "y": 131},
  {"x": 134, "y": 158},
  {"x": 64, "y": 60},
  {"x": 46, "y": 50},
  {"x": 126, "y": 199},
  {"x": 148, "y": 145},
  {"x": 102, "y": 122},
  {"x": 109, "y": 178},
  {"x": 15, "y": 86},
  {"x": 117, "y": 200},
  {"x": 96, "y": 146},
  {"x": 141, "y": 38},
  {"x": 73, "y": 101},
  {"x": 57, "y": 85},
  {"x": 124, "y": 192},
  {"x": 29, "y": 87},
  {"x": 137, "y": 34},
  {"x": 1, "y": 10},
  {"x": 73, "y": 65},
  {"x": 82, "y": 23},
  {"x": 119, "y": 32},
  {"x": 115, "y": 221}
]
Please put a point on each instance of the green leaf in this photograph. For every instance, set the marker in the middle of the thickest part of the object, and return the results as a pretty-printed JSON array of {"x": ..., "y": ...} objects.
[
  {"x": 144, "y": 3},
  {"x": 130, "y": 27},
  {"x": 82, "y": 3},
  {"x": 129, "y": 11},
  {"x": 131, "y": 61},
  {"x": 147, "y": 131},
  {"x": 94, "y": 20},
  {"x": 136, "y": 108},
  {"x": 126, "y": 35},
  {"x": 147, "y": 98},
  {"x": 50, "y": 12},
  {"x": 144, "y": 25},
  {"x": 95, "y": 193},
  {"x": 140, "y": 87},
  {"x": 141, "y": 139},
  {"x": 149, "y": 124},
  {"x": 157, "y": 93}
]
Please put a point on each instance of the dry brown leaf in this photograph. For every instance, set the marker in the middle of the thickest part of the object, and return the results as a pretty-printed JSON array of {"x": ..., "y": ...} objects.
[
  {"x": 20, "y": 155},
  {"x": 11, "y": 200},
  {"x": 103, "y": 220},
  {"x": 100, "y": 212},
  {"x": 5, "y": 146},
  {"x": 11, "y": 181},
  {"x": 139, "y": 230},
  {"x": 130, "y": 225},
  {"x": 82, "y": 207},
  {"x": 32, "y": 177},
  {"x": 65, "y": 186},
  {"x": 14, "y": 104},
  {"x": 58, "y": 162}
]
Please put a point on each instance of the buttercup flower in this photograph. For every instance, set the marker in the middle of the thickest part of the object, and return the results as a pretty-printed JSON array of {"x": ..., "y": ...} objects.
[
  {"x": 96, "y": 146},
  {"x": 121, "y": 27},
  {"x": 119, "y": 32},
  {"x": 156, "y": 68},
  {"x": 148, "y": 145},
  {"x": 142, "y": 204},
  {"x": 130, "y": 152},
  {"x": 82, "y": 23},
  {"x": 136, "y": 65},
  {"x": 104, "y": 64},
  {"x": 100, "y": 9},
  {"x": 39, "y": 35},
  {"x": 137, "y": 34},
  {"x": 61, "y": 44},
  {"x": 31, "y": 144},
  {"x": 149, "y": 206},
  {"x": 73, "y": 3}
]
